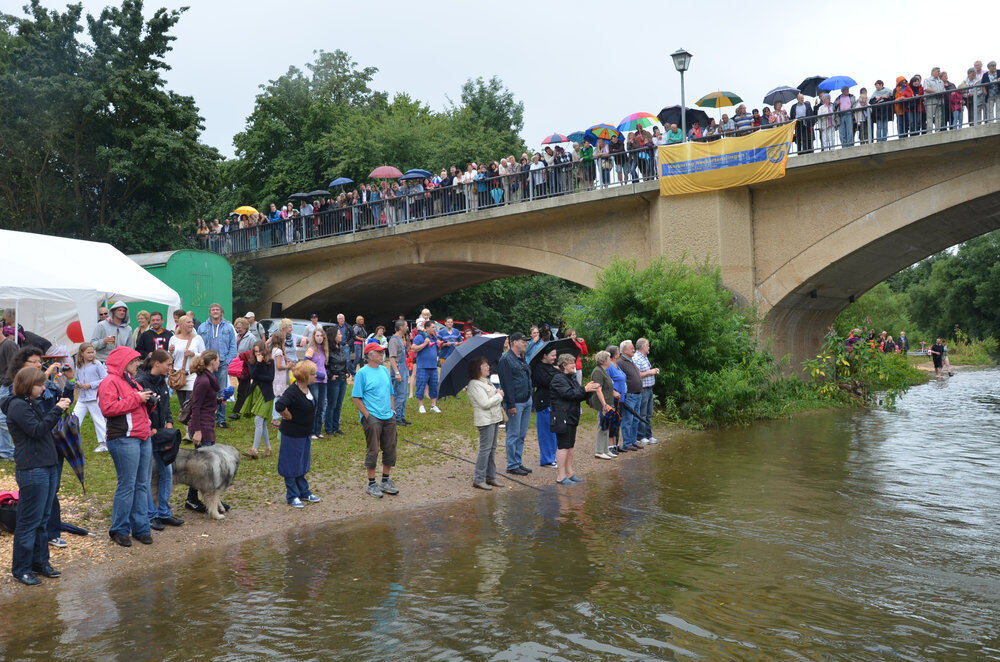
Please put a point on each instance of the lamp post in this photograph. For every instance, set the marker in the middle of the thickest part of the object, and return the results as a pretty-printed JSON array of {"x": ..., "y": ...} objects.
[{"x": 682, "y": 60}]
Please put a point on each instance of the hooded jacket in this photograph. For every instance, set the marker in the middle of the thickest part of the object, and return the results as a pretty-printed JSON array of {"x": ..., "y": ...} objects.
[
  {"x": 118, "y": 398},
  {"x": 121, "y": 332}
]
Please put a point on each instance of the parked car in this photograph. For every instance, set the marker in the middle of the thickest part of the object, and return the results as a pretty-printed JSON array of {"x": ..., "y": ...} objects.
[{"x": 270, "y": 325}]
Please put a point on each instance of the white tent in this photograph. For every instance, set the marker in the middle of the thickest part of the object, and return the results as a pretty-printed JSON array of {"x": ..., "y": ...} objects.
[{"x": 52, "y": 282}]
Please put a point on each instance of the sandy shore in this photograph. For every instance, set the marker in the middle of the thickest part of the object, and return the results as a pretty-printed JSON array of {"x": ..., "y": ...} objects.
[{"x": 95, "y": 557}]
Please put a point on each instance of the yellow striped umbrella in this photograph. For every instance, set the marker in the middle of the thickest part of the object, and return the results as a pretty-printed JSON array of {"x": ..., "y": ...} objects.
[{"x": 719, "y": 99}]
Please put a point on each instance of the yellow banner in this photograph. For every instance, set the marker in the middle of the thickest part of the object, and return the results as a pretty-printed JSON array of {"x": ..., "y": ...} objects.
[{"x": 692, "y": 167}]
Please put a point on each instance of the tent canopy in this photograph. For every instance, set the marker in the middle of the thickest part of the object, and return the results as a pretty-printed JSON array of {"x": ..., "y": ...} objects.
[{"x": 52, "y": 282}]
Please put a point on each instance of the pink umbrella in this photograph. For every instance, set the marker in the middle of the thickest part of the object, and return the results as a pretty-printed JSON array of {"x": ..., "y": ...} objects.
[{"x": 385, "y": 172}]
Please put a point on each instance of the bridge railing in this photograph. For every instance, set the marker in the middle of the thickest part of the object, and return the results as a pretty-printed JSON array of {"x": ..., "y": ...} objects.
[{"x": 890, "y": 119}]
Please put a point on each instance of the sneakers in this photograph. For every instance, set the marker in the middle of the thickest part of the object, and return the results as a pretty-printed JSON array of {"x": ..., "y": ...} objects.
[
  {"x": 644, "y": 440},
  {"x": 603, "y": 456},
  {"x": 312, "y": 498},
  {"x": 374, "y": 490},
  {"x": 58, "y": 542},
  {"x": 388, "y": 487},
  {"x": 155, "y": 524},
  {"x": 171, "y": 521},
  {"x": 551, "y": 465},
  {"x": 124, "y": 541},
  {"x": 101, "y": 448},
  {"x": 296, "y": 503},
  {"x": 612, "y": 451},
  {"x": 145, "y": 540},
  {"x": 652, "y": 440},
  {"x": 435, "y": 409},
  {"x": 421, "y": 410},
  {"x": 28, "y": 579},
  {"x": 518, "y": 471}
]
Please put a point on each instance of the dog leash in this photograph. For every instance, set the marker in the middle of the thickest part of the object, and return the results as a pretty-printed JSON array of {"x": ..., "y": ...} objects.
[{"x": 506, "y": 475}]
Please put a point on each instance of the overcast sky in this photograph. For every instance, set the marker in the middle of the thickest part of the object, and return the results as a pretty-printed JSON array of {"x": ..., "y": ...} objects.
[{"x": 572, "y": 63}]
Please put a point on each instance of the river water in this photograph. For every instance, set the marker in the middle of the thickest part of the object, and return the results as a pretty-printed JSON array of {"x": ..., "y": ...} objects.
[{"x": 849, "y": 535}]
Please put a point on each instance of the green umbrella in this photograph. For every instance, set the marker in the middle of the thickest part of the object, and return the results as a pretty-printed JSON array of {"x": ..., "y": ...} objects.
[{"x": 719, "y": 99}]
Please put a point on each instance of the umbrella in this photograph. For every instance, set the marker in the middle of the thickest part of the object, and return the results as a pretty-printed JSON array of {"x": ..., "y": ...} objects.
[
  {"x": 605, "y": 131},
  {"x": 672, "y": 115},
  {"x": 554, "y": 138},
  {"x": 419, "y": 171},
  {"x": 577, "y": 136},
  {"x": 636, "y": 121},
  {"x": 385, "y": 172},
  {"x": 455, "y": 371},
  {"x": 562, "y": 346},
  {"x": 810, "y": 86},
  {"x": 341, "y": 181},
  {"x": 719, "y": 99},
  {"x": 414, "y": 175},
  {"x": 837, "y": 82},
  {"x": 67, "y": 436},
  {"x": 298, "y": 196},
  {"x": 782, "y": 93},
  {"x": 317, "y": 192},
  {"x": 245, "y": 210}
]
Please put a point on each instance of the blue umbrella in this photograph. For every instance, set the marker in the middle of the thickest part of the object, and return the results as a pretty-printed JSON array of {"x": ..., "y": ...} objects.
[
  {"x": 417, "y": 171},
  {"x": 455, "y": 371},
  {"x": 577, "y": 136},
  {"x": 341, "y": 181},
  {"x": 837, "y": 82}
]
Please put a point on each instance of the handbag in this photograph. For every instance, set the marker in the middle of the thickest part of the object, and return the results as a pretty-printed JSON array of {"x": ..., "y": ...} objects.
[
  {"x": 184, "y": 416},
  {"x": 178, "y": 378},
  {"x": 166, "y": 443},
  {"x": 236, "y": 368}
]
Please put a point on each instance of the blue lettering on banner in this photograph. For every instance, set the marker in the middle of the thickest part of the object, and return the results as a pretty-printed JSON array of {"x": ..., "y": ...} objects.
[{"x": 745, "y": 157}]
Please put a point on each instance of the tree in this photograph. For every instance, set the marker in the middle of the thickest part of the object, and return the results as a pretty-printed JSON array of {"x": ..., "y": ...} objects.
[
  {"x": 510, "y": 304},
  {"x": 880, "y": 308}
]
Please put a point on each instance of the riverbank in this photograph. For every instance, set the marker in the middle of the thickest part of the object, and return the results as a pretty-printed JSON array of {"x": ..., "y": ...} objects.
[{"x": 423, "y": 476}]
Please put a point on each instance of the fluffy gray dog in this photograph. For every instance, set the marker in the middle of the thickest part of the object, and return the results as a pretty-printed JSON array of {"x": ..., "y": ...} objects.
[{"x": 209, "y": 470}]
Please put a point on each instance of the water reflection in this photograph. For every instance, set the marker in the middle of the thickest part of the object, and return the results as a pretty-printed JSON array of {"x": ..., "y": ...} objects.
[{"x": 851, "y": 535}]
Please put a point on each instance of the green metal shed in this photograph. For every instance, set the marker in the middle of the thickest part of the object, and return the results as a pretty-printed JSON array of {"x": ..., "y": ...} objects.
[{"x": 200, "y": 277}]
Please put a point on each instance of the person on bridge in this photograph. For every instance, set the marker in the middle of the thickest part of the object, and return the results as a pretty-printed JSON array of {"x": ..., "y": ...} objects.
[
  {"x": 372, "y": 395},
  {"x": 802, "y": 112},
  {"x": 425, "y": 344},
  {"x": 845, "y": 120},
  {"x": 827, "y": 121},
  {"x": 674, "y": 135}
]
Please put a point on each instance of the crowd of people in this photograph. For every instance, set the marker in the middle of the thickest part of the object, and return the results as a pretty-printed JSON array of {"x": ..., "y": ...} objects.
[
  {"x": 123, "y": 380},
  {"x": 885, "y": 343},
  {"x": 912, "y": 106}
]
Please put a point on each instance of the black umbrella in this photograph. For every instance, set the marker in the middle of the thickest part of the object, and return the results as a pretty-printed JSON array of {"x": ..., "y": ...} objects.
[
  {"x": 317, "y": 192},
  {"x": 455, "y": 371},
  {"x": 562, "y": 346},
  {"x": 810, "y": 86},
  {"x": 672, "y": 115},
  {"x": 782, "y": 93},
  {"x": 298, "y": 196}
]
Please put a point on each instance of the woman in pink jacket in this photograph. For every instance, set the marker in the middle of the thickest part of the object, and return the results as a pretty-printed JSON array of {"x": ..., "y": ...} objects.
[{"x": 123, "y": 404}]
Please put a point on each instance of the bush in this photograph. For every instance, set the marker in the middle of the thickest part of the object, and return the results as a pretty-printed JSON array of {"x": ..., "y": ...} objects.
[{"x": 966, "y": 351}]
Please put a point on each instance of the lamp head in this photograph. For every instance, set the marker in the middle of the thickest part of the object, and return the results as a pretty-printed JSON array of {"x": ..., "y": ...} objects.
[{"x": 682, "y": 59}]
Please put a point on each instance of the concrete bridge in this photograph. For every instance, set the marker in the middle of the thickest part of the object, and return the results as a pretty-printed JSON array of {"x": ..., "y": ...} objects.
[{"x": 800, "y": 248}]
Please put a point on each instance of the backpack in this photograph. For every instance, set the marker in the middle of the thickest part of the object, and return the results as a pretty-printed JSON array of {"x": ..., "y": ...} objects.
[
  {"x": 8, "y": 511},
  {"x": 166, "y": 443}
]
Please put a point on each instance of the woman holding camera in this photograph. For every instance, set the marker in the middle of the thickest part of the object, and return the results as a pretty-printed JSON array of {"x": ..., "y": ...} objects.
[{"x": 36, "y": 465}]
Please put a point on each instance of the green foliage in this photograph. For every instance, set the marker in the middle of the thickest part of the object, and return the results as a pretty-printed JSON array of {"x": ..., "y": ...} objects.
[
  {"x": 858, "y": 371},
  {"x": 510, "y": 304},
  {"x": 966, "y": 351},
  {"x": 94, "y": 145},
  {"x": 247, "y": 285},
  {"x": 879, "y": 307}
]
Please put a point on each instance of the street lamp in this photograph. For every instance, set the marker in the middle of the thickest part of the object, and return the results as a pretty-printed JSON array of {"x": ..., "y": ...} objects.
[{"x": 682, "y": 60}]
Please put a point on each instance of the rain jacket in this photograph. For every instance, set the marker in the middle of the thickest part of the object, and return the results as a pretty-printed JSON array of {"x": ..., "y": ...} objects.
[
  {"x": 118, "y": 398},
  {"x": 31, "y": 429},
  {"x": 107, "y": 327}
]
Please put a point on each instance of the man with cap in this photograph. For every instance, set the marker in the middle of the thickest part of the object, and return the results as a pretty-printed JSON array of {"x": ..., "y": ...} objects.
[
  {"x": 255, "y": 327},
  {"x": 372, "y": 395},
  {"x": 515, "y": 382},
  {"x": 112, "y": 332},
  {"x": 312, "y": 325}
]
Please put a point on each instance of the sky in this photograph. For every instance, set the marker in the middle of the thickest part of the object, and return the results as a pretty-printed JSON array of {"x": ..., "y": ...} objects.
[{"x": 573, "y": 64}]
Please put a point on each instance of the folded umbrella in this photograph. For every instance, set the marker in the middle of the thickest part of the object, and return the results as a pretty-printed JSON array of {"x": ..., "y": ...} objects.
[
  {"x": 385, "y": 172},
  {"x": 67, "y": 436},
  {"x": 782, "y": 93},
  {"x": 837, "y": 82},
  {"x": 810, "y": 86},
  {"x": 672, "y": 115},
  {"x": 562, "y": 346},
  {"x": 455, "y": 371}
]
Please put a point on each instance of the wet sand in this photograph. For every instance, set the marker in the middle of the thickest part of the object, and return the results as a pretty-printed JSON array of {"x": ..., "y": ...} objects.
[{"x": 95, "y": 557}]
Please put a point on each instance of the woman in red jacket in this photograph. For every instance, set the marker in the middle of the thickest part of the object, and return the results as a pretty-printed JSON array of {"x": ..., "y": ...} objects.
[
  {"x": 123, "y": 404},
  {"x": 204, "y": 402}
]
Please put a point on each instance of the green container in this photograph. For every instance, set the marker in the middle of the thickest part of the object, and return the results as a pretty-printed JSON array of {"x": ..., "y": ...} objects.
[{"x": 200, "y": 277}]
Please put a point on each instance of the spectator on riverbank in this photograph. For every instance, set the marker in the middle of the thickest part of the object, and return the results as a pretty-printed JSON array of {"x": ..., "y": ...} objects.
[
  {"x": 142, "y": 318},
  {"x": 155, "y": 337},
  {"x": 542, "y": 372},
  {"x": 426, "y": 348},
  {"x": 903, "y": 343},
  {"x": 603, "y": 402},
  {"x": 648, "y": 374},
  {"x": 581, "y": 345},
  {"x": 297, "y": 407},
  {"x": 89, "y": 374},
  {"x": 220, "y": 337},
  {"x": 360, "y": 333},
  {"x": 204, "y": 401},
  {"x": 36, "y": 462},
  {"x": 566, "y": 398},
  {"x": 632, "y": 398},
  {"x": 515, "y": 382},
  {"x": 152, "y": 376},
  {"x": 487, "y": 414},
  {"x": 112, "y": 332},
  {"x": 123, "y": 403},
  {"x": 317, "y": 353},
  {"x": 399, "y": 370},
  {"x": 937, "y": 355},
  {"x": 184, "y": 347},
  {"x": 259, "y": 404},
  {"x": 372, "y": 395},
  {"x": 8, "y": 347},
  {"x": 255, "y": 327}
]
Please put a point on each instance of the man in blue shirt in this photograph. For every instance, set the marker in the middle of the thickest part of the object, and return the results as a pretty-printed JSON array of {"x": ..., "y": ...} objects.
[
  {"x": 220, "y": 336},
  {"x": 372, "y": 395},
  {"x": 426, "y": 365},
  {"x": 448, "y": 338},
  {"x": 515, "y": 382}
]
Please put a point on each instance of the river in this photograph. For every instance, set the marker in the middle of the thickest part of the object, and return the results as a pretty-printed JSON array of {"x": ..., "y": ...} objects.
[{"x": 847, "y": 535}]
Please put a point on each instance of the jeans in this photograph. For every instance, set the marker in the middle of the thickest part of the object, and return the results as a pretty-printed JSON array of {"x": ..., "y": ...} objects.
[
  {"x": 335, "y": 391},
  {"x": 517, "y": 428},
  {"x": 914, "y": 125},
  {"x": 847, "y": 130},
  {"x": 546, "y": 438},
  {"x": 318, "y": 391},
  {"x": 629, "y": 421},
  {"x": 31, "y": 540},
  {"x": 165, "y": 484},
  {"x": 55, "y": 513},
  {"x": 881, "y": 130},
  {"x": 427, "y": 377},
  {"x": 486, "y": 465},
  {"x": 222, "y": 374},
  {"x": 956, "y": 119},
  {"x": 6, "y": 443},
  {"x": 401, "y": 389},
  {"x": 130, "y": 508},
  {"x": 296, "y": 488},
  {"x": 646, "y": 411}
]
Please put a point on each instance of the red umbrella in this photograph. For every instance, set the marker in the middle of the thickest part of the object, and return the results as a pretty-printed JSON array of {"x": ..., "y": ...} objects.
[{"x": 385, "y": 172}]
